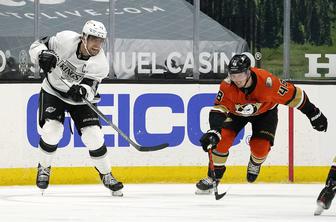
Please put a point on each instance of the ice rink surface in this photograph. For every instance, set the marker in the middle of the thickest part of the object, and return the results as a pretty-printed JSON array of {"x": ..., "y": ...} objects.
[{"x": 163, "y": 202}]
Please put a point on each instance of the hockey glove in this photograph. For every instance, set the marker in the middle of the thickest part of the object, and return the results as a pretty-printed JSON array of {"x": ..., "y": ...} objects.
[
  {"x": 77, "y": 93},
  {"x": 210, "y": 139},
  {"x": 318, "y": 120},
  {"x": 47, "y": 60}
]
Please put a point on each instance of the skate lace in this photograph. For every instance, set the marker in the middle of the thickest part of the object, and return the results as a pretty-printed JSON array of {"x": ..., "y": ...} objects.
[
  {"x": 44, "y": 171},
  {"x": 108, "y": 179},
  {"x": 43, "y": 174},
  {"x": 208, "y": 181},
  {"x": 253, "y": 169}
]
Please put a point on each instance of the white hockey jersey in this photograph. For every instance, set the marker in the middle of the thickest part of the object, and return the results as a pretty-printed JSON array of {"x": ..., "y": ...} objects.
[{"x": 71, "y": 69}]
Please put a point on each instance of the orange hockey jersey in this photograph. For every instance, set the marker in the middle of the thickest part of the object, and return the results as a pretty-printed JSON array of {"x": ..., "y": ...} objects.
[{"x": 265, "y": 93}]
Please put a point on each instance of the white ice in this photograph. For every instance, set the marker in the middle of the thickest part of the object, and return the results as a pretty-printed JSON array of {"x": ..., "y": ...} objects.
[{"x": 163, "y": 202}]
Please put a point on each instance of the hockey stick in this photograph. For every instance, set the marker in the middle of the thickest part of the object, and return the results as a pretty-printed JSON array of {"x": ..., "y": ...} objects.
[
  {"x": 135, "y": 145},
  {"x": 213, "y": 175}
]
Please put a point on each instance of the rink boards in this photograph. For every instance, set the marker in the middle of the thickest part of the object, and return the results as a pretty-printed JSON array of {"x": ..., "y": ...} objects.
[{"x": 152, "y": 114}]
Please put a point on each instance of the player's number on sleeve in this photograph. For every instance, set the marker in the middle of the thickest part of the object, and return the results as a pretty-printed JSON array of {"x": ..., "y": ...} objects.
[
  {"x": 283, "y": 89},
  {"x": 219, "y": 95}
]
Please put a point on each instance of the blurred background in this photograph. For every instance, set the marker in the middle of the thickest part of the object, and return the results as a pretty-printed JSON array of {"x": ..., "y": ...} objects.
[{"x": 188, "y": 40}]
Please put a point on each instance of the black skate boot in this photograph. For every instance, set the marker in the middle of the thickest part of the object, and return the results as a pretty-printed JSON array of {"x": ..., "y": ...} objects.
[
  {"x": 253, "y": 170},
  {"x": 111, "y": 183},
  {"x": 42, "y": 178},
  {"x": 205, "y": 186},
  {"x": 325, "y": 197}
]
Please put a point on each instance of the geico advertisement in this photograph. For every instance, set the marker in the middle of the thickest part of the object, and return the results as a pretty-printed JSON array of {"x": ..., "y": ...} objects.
[
  {"x": 141, "y": 117},
  {"x": 148, "y": 114}
]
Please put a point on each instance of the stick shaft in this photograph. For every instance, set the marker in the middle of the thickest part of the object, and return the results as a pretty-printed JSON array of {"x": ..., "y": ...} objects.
[
  {"x": 213, "y": 175},
  {"x": 101, "y": 115}
]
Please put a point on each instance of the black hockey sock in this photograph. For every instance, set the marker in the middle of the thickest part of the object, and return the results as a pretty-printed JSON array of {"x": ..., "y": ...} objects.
[
  {"x": 331, "y": 175},
  {"x": 219, "y": 171}
]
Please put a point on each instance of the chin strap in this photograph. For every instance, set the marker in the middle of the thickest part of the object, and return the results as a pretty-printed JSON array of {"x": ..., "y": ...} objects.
[
  {"x": 247, "y": 80},
  {"x": 84, "y": 41}
]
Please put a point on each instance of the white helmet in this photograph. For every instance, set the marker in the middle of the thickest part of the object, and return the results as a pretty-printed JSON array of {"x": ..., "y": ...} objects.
[{"x": 94, "y": 28}]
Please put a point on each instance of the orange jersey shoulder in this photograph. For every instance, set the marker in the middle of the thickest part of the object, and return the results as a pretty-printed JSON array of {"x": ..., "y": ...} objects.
[
  {"x": 268, "y": 91},
  {"x": 273, "y": 89}
]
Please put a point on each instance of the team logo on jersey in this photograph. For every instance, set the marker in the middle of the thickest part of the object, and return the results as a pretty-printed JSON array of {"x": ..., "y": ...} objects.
[
  {"x": 247, "y": 109},
  {"x": 269, "y": 82},
  {"x": 69, "y": 71}
]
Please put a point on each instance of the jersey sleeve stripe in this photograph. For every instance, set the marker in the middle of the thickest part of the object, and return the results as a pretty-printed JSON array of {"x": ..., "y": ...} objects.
[
  {"x": 220, "y": 108},
  {"x": 297, "y": 100}
]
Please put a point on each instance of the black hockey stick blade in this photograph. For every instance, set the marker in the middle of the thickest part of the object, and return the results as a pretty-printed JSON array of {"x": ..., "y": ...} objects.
[
  {"x": 219, "y": 196},
  {"x": 151, "y": 148}
]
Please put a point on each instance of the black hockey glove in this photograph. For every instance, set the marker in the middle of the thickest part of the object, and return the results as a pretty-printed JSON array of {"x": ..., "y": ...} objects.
[
  {"x": 77, "y": 93},
  {"x": 318, "y": 120},
  {"x": 47, "y": 60},
  {"x": 210, "y": 139}
]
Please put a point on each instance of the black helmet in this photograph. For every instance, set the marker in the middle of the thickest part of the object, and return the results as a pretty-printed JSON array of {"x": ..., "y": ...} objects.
[{"x": 239, "y": 63}]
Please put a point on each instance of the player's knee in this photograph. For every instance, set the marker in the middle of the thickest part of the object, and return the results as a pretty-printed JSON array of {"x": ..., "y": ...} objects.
[
  {"x": 92, "y": 137},
  {"x": 52, "y": 131},
  {"x": 228, "y": 137},
  {"x": 260, "y": 147}
]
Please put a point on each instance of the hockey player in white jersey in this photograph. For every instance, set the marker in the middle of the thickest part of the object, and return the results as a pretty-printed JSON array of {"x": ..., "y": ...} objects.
[{"x": 74, "y": 65}]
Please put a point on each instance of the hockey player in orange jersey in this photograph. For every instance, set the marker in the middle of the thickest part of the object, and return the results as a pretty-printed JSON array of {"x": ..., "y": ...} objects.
[{"x": 252, "y": 95}]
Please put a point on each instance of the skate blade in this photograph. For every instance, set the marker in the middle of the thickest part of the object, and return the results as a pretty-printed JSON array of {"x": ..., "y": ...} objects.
[
  {"x": 117, "y": 193},
  {"x": 319, "y": 209},
  {"x": 42, "y": 191},
  {"x": 203, "y": 192}
]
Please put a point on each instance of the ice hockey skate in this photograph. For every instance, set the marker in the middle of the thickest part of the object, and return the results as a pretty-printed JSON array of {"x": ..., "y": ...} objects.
[
  {"x": 111, "y": 183},
  {"x": 325, "y": 197},
  {"x": 42, "y": 178},
  {"x": 205, "y": 186},
  {"x": 252, "y": 171}
]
